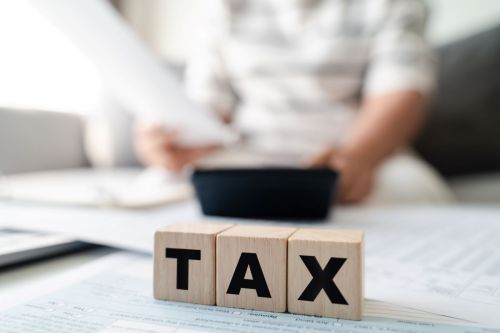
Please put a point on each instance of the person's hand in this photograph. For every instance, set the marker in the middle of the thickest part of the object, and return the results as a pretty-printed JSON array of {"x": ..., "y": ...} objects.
[
  {"x": 156, "y": 147},
  {"x": 356, "y": 174}
]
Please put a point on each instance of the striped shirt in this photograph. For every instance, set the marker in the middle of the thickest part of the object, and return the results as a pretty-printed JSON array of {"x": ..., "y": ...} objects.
[{"x": 292, "y": 73}]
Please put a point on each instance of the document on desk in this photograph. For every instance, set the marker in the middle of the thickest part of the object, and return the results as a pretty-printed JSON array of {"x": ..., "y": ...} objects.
[
  {"x": 130, "y": 188},
  {"x": 448, "y": 264},
  {"x": 115, "y": 295},
  {"x": 443, "y": 260}
]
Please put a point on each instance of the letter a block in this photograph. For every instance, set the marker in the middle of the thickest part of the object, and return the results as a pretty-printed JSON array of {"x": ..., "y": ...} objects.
[
  {"x": 251, "y": 267},
  {"x": 184, "y": 262},
  {"x": 325, "y": 273}
]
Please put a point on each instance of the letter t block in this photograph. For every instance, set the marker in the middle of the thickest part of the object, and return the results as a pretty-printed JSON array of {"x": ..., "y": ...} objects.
[
  {"x": 325, "y": 273},
  {"x": 184, "y": 262}
]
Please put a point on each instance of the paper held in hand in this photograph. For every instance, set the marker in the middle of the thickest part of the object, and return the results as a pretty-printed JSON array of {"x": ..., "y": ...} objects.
[{"x": 134, "y": 77}]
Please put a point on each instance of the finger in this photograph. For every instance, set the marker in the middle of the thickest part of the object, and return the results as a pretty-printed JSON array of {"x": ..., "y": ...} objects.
[
  {"x": 151, "y": 153},
  {"x": 344, "y": 187},
  {"x": 154, "y": 135},
  {"x": 173, "y": 162},
  {"x": 189, "y": 156},
  {"x": 177, "y": 159},
  {"x": 359, "y": 190},
  {"x": 154, "y": 130},
  {"x": 321, "y": 159},
  {"x": 169, "y": 140},
  {"x": 194, "y": 150},
  {"x": 169, "y": 161}
]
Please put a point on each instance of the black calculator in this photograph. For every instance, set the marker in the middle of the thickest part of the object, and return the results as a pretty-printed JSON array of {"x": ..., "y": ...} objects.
[{"x": 266, "y": 193}]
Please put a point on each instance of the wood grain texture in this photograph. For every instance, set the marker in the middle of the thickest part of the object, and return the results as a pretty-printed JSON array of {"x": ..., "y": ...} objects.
[
  {"x": 269, "y": 243},
  {"x": 323, "y": 245},
  {"x": 201, "y": 278}
]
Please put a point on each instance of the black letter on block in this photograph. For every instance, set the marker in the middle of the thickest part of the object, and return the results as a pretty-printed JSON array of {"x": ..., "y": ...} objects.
[
  {"x": 183, "y": 256},
  {"x": 323, "y": 279},
  {"x": 258, "y": 282}
]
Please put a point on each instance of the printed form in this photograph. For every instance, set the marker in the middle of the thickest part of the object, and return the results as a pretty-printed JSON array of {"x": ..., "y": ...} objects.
[
  {"x": 444, "y": 260},
  {"x": 448, "y": 264},
  {"x": 114, "y": 295}
]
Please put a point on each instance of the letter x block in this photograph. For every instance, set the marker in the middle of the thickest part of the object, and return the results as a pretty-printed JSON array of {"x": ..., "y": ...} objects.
[
  {"x": 184, "y": 262},
  {"x": 325, "y": 273},
  {"x": 251, "y": 267}
]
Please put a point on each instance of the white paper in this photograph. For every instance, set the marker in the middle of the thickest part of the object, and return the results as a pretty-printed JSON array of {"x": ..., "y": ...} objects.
[
  {"x": 114, "y": 294},
  {"x": 119, "y": 188},
  {"x": 392, "y": 274},
  {"x": 133, "y": 75},
  {"x": 449, "y": 264},
  {"x": 128, "y": 229}
]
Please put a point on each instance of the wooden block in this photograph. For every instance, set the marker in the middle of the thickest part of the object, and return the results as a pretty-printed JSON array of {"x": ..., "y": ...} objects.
[
  {"x": 251, "y": 267},
  {"x": 325, "y": 273},
  {"x": 184, "y": 262}
]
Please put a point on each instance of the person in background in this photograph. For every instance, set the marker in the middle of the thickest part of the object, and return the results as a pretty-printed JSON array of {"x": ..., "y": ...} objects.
[{"x": 341, "y": 83}]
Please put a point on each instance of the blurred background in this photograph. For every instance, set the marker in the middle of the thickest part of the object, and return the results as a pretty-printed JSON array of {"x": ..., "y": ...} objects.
[{"x": 48, "y": 89}]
